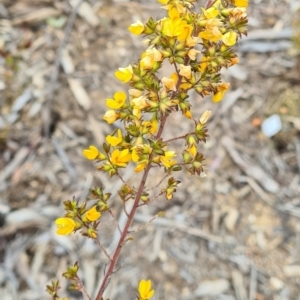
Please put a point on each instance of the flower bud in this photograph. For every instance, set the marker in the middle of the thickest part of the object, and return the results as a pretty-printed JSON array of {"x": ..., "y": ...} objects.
[
  {"x": 179, "y": 60},
  {"x": 187, "y": 156},
  {"x": 92, "y": 233}
]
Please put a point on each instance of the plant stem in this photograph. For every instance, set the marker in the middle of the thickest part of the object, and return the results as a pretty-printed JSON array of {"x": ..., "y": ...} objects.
[
  {"x": 129, "y": 221},
  {"x": 210, "y": 3},
  {"x": 135, "y": 206}
]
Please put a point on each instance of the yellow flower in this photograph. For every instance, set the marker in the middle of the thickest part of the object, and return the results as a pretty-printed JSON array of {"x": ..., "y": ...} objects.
[
  {"x": 186, "y": 33},
  {"x": 151, "y": 126},
  {"x": 170, "y": 83},
  {"x": 140, "y": 102},
  {"x": 204, "y": 62},
  {"x": 136, "y": 28},
  {"x": 63, "y": 299},
  {"x": 124, "y": 74},
  {"x": 164, "y": 2},
  {"x": 65, "y": 226},
  {"x": 205, "y": 116},
  {"x": 140, "y": 167},
  {"x": 173, "y": 12},
  {"x": 93, "y": 153},
  {"x": 137, "y": 113},
  {"x": 193, "y": 150},
  {"x": 120, "y": 158},
  {"x": 188, "y": 114},
  {"x": 192, "y": 54},
  {"x": 229, "y": 38},
  {"x": 149, "y": 57},
  {"x": 145, "y": 289},
  {"x": 240, "y": 3},
  {"x": 233, "y": 61},
  {"x": 185, "y": 71},
  {"x": 114, "y": 141},
  {"x": 191, "y": 41},
  {"x": 135, "y": 154},
  {"x": 212, "y": 31},
  {"x": 210, "y": 13},
  {"x": 92, "y": 214},
  {"x": 166, "y": 159},
  {"x": 221, "y": 91},
  {"x": 135, "y": 93},
  {"x": 110, "y": 116},
  {"x": 173, "y": 28},
  {"x": 117, "y": 102}
]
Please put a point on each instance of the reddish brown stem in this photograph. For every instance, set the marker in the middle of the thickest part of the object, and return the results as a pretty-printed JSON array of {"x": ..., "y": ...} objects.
[
  {"x": 129, "y": 221},
  {"x": 122, "y": 240},
  {"x": 210, "y": 3}
]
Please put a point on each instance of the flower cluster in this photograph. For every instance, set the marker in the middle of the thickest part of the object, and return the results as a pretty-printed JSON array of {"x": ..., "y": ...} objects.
[
  {"x": 198, "y": 45},
  {"x": 80, "y": 217}
]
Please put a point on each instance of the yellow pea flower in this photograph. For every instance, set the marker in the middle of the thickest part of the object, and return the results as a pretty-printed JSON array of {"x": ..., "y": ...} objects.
[
  {"x": 117, "y": 102},
  {"x": 135, "y": 154},
  {"x": 151, "y": 126},
  {"x": 166, "y": 159},
  {"x": 185, "y": 71},
  {"x": 164, "y": 2},
  {"x": 191, "y": 41},
  {"x": 136, "y": 28},
  {"x": 204, "y": 62},
  {"x": 229, "y": 38},
  {"x": 173, "y": 28},
  {"x": 113, "y": 140},
  {"x": 205, "y": 116},
  {"x": 173, "y": 12},
  {"x": 212, "y": 31},
  {"x": 93, "y": 153},
  {"x": 140, "y": 167},
  {"x": 210, "y": 13},
  {"x": 186, "y": 32},
  {"x": 145, "y": 290},
  {"x": 193, "y": 150},
  {"x": 240, "y": 3},
  {"x": 110, "y": 116},
  {"x": 92, "y": 214},
  {"x": 135, "y": 93},
  {"x": 124, "y": 74},
  {"x": 192, "y": 54},
  {"x": 120, "y": 158},
  {"x": 149, "y": 57},
  {"x": 65, "y": 226},
  {"x": 140, "y": 102},
  {"x": 217, "y": 97},
  {"x": 170, "y": 83}
]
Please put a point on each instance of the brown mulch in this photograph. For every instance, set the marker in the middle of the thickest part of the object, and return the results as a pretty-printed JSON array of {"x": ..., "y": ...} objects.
[{"x": 234, "y": 234}]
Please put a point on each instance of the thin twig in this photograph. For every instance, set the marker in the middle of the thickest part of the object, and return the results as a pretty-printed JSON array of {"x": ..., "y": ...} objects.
[
  {"x": 103, "y": 249},
  {"x": 55, "y": 73},
  {"x": 177, "y": 138},
  {"x": 121, "y": 178},
  {"x": 146, "y": 224},
  {"x": 151, "y": 200},
  {"x": 82, "y": 289},
  {"x": 210, "y": 3},
  {"x": 125, "y": 211},
  {"x": 159, "y": 183},
  {"x": 115, "y": 221}
]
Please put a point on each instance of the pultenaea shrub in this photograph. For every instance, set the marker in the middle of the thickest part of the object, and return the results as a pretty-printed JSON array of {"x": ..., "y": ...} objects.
[{"x": 197, "y": 42}]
